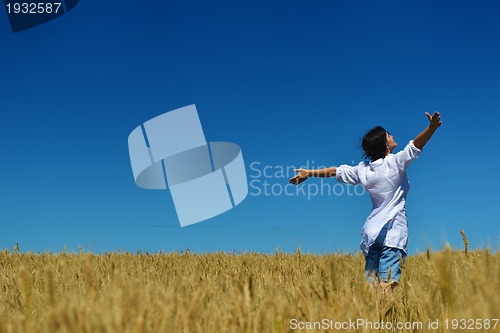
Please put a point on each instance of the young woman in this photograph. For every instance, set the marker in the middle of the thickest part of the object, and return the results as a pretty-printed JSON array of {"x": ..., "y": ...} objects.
[{"x": 385, "y": 232}]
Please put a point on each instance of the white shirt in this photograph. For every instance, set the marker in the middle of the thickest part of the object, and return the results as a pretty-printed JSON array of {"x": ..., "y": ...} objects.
[{"x": 387, "y": 183}]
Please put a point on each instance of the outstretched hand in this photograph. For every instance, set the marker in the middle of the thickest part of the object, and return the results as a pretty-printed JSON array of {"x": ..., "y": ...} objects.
[
  {"x": 298, "y": 178},
  {"x": 435, "y": 119}
]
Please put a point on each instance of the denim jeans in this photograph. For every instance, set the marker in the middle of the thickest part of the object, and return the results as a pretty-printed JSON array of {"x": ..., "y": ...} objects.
[{"x": 382, "y": 261}]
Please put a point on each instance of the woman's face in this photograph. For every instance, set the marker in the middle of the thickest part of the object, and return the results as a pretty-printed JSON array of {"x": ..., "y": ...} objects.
[{"x": 391, "y": 144}]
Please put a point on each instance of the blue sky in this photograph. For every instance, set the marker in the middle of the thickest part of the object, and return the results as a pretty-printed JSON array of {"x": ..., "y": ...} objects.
[{"x": 290, "y": 82}]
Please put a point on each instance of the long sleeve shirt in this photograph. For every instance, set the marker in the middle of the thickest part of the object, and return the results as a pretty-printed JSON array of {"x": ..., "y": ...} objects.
[{"x": 387, "y": 183}]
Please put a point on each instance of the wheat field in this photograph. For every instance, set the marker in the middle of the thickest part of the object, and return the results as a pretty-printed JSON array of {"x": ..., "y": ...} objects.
[{"x": 444, "y": 291}]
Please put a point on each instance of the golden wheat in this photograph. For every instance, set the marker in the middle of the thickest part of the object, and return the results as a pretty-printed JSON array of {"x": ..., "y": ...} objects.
[{"x": 249, "y": 292}]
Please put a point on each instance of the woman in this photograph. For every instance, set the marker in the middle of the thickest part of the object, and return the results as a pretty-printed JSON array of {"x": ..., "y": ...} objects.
[{"x": 385, "y": 232}]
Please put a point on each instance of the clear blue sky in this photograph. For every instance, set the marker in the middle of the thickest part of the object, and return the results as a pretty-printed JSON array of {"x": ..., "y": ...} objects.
[{"x": 291, "y": 82}]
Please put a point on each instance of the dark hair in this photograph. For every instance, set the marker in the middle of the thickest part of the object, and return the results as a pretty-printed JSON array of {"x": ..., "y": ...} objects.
[{"x": 375, "y": 143}]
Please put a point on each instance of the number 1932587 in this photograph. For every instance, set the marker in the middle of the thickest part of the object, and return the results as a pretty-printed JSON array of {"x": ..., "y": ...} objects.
[
  {"x": 470, "y": 324},
  {"x": 33, "y": 8}
]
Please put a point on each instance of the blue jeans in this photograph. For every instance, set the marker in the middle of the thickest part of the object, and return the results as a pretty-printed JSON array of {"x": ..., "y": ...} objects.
[{"x": 383, "y": 260}]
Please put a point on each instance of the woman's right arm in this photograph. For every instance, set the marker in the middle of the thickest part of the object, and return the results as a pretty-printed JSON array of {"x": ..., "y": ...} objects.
[{"x": 421, "y": 139}]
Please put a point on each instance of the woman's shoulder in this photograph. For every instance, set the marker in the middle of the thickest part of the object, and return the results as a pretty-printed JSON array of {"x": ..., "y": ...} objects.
[{"x": 363, "y": 164}]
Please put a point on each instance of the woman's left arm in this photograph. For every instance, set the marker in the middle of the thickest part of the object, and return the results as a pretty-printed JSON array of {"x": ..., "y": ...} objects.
[{"x": 303, "y": 174}]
